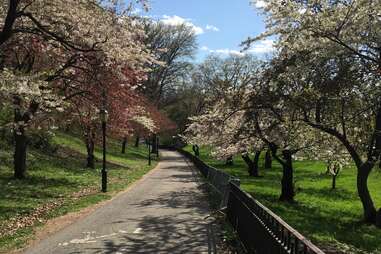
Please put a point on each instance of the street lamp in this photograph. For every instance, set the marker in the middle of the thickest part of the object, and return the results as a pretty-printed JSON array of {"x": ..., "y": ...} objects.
[
  {"x": 149, "y": 151},
  {"x": 104, "y": 117},
  {"x": 157, "y": 146}
]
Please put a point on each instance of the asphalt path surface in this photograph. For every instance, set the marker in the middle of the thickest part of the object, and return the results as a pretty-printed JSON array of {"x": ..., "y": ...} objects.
[{"x": 163, "y": 213}]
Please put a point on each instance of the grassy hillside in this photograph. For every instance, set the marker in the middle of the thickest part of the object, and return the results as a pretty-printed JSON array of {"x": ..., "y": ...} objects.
[
  {"x": 328, "y": 217},
  {"x": 59, "y": 183}
]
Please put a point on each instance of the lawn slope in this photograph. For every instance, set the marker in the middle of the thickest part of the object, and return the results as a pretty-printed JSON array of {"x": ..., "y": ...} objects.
[{"x": 58, "y": 183}]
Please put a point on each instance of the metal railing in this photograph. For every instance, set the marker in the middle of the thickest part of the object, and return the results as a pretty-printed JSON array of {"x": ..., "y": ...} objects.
[
  {"x": 216, "y": 178},
  {"x": 260, "y": 230},
  {"x": 220, "y": 181}
]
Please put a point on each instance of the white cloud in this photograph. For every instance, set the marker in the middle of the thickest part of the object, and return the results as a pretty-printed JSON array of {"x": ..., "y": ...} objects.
[
  {"x": 260, "y": 4},
  {"x": 212, "y": 28},
  {"x": 136, "y": 11},
  {"x": 225, "y": 52},
  {"x": 176, "y": 20},
  {"x": 259, "y": 48},
  {"x": 262, "y": 47}
]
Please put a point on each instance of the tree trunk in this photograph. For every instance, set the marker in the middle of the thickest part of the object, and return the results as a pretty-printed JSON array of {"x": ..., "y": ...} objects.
[
  {"x": 157, "y": 146},
  {"x": 268, "y": 160},
  {"x": 90, "y": 146},
  {"x": 363, "y": 192},
  {"x": 10, "y": 19},
  {"x": 249, "y": 163},
  {"x": 137, "y": 141},
  {"x": 229, "y": 161},
  {"x": 288, "y": 192},
  {"x": 21, "y": 119},
  {"x": 334, "y": 182},
  {"x": 90, "y": 156},
  {"x": 256, "y": 162},
  {"x": 196, "y": 150},
  {"x": 20, "y": 154},
  {"x": 378, "y": 219},
  {"x": 252, "y": 165},
  {"x": 124, "y": 144},
  {"x": 327, "y": 171}
]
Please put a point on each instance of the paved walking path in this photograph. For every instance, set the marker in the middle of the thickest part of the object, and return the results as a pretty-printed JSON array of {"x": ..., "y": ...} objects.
[{"x": 163, "y": 213}]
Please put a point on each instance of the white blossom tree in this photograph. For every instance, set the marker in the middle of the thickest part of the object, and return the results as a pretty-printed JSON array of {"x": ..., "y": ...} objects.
[
  {"x": 227, "y": 85},
  {"x": 330, "y": 59},
  {"x": 44, "y": 45}
]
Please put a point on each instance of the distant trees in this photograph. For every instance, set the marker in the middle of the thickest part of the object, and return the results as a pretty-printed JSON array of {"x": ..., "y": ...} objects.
[
  {"x": 173, "y": 46},
  {"x": 187, "y": 100}
]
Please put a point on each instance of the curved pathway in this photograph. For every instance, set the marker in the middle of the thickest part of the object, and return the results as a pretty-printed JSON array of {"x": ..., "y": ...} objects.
[{"x": 163, "y": 213}]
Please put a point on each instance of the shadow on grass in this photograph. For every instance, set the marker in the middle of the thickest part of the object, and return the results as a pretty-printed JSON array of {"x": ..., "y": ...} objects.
[
  {"x": 48, "y": 177},
  {"x": 326, "y": 225},
  {"x": 326, "y": 216},
  {"x": 113, "y": 148},
  {"x": 329, "y": 194}
]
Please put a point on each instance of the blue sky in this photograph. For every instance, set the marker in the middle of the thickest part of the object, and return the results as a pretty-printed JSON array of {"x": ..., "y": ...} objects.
[{"x": 221, "y": 25}]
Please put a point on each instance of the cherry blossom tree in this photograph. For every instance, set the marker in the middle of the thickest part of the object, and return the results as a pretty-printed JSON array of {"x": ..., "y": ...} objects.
[
  {"x": 221, "y": 125},
  {"x": 331, "y": 63},
  {"x": 141, "y": 117},
  {"x": 58, "y": 39},
  {"x": 246, "y": 114},
  {"x": 279, "y": 128}
]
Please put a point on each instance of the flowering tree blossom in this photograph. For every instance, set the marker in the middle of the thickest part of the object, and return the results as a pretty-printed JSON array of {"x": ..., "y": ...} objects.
[
  {"x": 330, "y": 52},
  {"x": 44, "y": 44},
  {"x": 228, "y": 83}
]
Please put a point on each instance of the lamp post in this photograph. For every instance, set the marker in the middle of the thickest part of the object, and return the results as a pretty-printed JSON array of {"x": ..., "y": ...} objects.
[
  {"x": 149, "y": 151},
  {"x": 104, "y": 116},
  {"x": 157, "y": 146}
]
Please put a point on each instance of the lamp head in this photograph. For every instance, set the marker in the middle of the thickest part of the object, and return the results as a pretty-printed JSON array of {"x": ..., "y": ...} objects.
[{"x": 104, "y": 115}]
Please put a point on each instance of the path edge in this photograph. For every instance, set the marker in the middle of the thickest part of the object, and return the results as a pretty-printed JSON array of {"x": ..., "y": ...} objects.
[{"x": 58, "y": 224}]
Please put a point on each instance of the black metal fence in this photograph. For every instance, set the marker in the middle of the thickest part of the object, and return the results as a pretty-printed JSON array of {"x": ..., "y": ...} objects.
[
  {"x": 204, "y": 168},
  {"x": 216, "y": 178},
  {"x": 262, "y": 231},
  {"x": 259, "y": 229}
]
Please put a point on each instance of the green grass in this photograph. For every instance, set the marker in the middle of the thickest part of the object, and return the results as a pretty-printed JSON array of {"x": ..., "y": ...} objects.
[
  {"x": 58, "y": 176},
  {"x": 328, "y": 217}
]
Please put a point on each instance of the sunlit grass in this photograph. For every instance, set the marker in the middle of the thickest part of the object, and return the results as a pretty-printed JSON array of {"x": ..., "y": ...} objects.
[
  {"x": 59, "y": 176},
  {"x": 325, "y": 216}
]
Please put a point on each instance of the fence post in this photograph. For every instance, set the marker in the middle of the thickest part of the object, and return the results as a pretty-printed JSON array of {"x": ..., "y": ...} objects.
[{"x": 225, "y": 197}]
